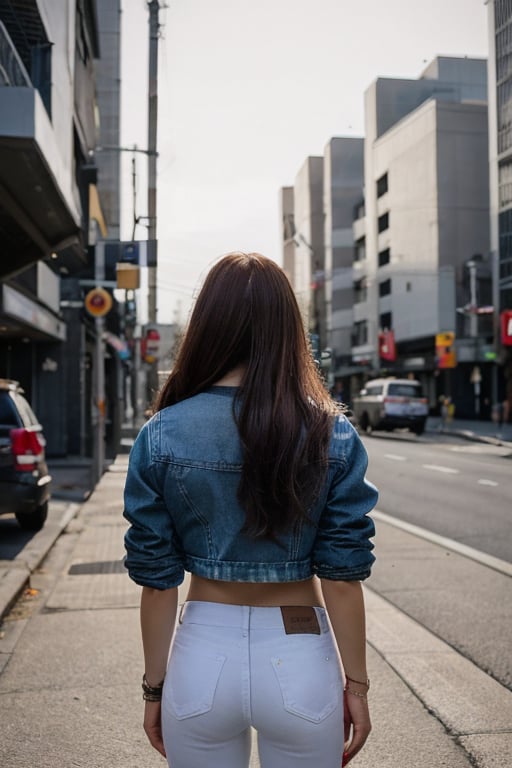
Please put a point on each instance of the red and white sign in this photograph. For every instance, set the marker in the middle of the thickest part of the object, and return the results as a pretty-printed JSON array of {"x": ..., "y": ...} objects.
[
  {"x": 506, "y": 327},
  {"x": 387, "y": 346},
  {"x": 150, "y": 345}
]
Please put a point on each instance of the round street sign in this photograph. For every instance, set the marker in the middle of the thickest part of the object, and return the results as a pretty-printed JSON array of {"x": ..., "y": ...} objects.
[{"x": 98, "y": 302}]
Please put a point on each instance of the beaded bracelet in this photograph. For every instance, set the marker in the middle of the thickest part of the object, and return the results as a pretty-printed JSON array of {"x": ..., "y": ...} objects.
[
  {"x": 359, "y": 682},
  {"x": 151, "y": 692}
]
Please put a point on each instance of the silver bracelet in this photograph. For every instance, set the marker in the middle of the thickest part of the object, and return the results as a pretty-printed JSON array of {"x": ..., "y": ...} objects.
[{"x": 363, "y": 696}]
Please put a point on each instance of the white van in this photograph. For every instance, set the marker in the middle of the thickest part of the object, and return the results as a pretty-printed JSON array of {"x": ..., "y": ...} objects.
[{"x": 391, "y": 404}]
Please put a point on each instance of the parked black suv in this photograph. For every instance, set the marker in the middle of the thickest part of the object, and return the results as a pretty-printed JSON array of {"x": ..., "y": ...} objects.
[{"x": 24, "y": 479}]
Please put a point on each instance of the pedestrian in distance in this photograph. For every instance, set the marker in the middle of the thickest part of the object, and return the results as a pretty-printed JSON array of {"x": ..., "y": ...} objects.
[
  {"x": 337, "y": 393},
  {"x": 499, "y": 416},
  {"x": 249, "y": 477},
  {"x": 447, "y": 411}
]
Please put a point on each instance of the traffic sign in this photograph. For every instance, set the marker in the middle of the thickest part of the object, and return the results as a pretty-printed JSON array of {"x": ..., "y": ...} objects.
[
  {"x": 98, "y": 302},
  {"x": 445, "y": 350},
  {"x": 506, "y": 327}
]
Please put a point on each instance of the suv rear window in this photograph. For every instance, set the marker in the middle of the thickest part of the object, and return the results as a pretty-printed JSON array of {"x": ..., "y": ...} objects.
[
  {"x": 8, "y": 415},
  {"x": 404, "y": 390}
]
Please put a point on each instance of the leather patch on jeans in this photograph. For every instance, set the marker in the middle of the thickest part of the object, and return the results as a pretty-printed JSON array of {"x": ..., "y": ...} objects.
[{"x": 300, "y": 620}]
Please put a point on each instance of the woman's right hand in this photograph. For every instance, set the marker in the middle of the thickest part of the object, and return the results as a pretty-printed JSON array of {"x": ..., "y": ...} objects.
[
  {"x": 357, "y": 725},
  {"x": 153, "y": 725}
]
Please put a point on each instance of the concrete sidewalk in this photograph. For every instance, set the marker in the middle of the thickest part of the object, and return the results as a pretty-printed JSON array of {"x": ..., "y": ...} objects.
[
  {"x": 71, "y": 666},
  {"x": 476, "y": 431}
]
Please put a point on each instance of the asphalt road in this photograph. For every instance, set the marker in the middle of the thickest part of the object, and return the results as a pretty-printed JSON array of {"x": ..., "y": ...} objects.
[
  {"x": 463, "y": 492},
  {"x": 454, "y": 488}
]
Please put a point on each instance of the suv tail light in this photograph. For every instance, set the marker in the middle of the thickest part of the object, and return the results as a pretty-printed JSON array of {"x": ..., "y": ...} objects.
[{"x": 26, "y": 448}]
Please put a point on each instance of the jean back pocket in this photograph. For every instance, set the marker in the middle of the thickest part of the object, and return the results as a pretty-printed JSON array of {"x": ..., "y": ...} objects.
[
  {"x": 310, "y": 687},
  {"x": 191, "y": 682}
]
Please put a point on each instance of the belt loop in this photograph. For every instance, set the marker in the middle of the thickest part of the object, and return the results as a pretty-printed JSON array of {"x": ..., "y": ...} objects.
[{"x": 180, "y": 617}]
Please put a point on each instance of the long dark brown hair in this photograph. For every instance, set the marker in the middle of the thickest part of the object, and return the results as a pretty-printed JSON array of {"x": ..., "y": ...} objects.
[{"x": 246, "y": 315}]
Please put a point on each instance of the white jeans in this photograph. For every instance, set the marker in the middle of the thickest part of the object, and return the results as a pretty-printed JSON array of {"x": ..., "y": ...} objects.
[{"x": 233, "y": 667}]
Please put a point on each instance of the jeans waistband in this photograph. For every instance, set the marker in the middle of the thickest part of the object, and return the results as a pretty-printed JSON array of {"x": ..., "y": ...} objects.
[{"x": 239, "y": 616}]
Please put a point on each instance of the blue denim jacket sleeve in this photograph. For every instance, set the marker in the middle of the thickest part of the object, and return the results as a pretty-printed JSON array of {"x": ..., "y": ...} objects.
[
  {"x": 153, "y": 551},
  {"x": 342, "y": 549}
]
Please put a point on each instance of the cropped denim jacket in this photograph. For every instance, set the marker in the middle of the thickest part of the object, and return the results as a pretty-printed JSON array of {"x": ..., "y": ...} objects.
[{"x": 181, "y": 503}]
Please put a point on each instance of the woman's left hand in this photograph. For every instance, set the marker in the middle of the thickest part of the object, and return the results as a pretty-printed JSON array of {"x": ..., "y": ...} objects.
[
  {"x": 357, "y": 725},
  {"x": 153, "y": 725}
]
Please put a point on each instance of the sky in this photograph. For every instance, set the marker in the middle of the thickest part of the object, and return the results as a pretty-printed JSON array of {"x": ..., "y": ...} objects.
[{"x": 246, "y": 92}]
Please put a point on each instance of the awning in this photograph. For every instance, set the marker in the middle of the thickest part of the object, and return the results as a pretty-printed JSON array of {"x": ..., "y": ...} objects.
[{"x": 21, "y": 316}]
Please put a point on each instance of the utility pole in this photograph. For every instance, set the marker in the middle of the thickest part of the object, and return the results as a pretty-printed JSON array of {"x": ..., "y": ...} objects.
[
  {"x": 154, "y": 7},
  {"x": 99, "y": 373},
  {"x": 154, "y": 27}
]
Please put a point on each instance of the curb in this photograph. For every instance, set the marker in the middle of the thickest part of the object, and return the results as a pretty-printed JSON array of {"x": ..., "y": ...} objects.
[
  {"x": 15, "y": 575},
  {"x": 475, "y": 709},
  {"x": 467, "y": 434}
]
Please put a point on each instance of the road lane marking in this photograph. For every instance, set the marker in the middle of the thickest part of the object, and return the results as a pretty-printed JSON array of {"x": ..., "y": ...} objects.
[
  {"x": 483, "y": 481},
  {"x": 395, "y": 457},
  {"x": 438, "y": 468},
  {"x": 461, "y": 549}
]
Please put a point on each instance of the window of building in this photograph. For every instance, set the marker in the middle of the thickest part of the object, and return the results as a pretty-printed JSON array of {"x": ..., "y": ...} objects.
[
  {"x": 385, "y": 287},
  {"x": 360, "y": 290},
  {"x": 503, "y": 12},
  {"x": 27, "y": 34},
  {"x": 505, "y": 249},
  {"x": 386, "y": 321},
  {"x": 41, "y": 73},
  {"x": 504, "y": 115},
  {"x": 383, "y": 222},
  {"x": 505, "y": 184},
  {"x": 360, "y": 334},
  {"x": 288, "y": 226},
  {"x": 382, "y": 185},
  {"x": 505, "y": 269},
  {"x": 360, "y": 249},
  {"x": 359, "y": 211},
  {"x": 504, "y": 49},
  {"x": 384, "y": 257}
]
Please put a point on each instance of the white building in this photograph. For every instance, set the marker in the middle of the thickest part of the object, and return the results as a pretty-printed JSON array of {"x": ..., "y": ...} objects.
[
  {"x": 308, "y": 256},
  {"x": 500, "y": 172},
  {"x": 343, "y": 183},
  {"x": 425, "y": 218}
]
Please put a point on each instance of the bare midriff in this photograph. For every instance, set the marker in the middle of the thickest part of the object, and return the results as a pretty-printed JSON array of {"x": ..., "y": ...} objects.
[{"x": 237, "y": 593}]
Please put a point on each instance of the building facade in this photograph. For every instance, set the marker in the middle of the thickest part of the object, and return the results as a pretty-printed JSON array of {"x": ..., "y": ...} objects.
[
  {"x": 343, "y": 183},
  {"x": 500, "y": 170},
  {"x": 406, "y": 255},
  {"x": 425, "y": 230},
  {"x": 51, "y": 206},
  {"x": 309, "y": 254}
]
